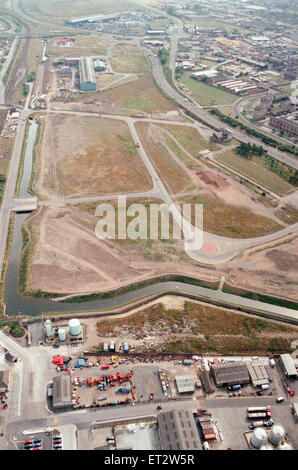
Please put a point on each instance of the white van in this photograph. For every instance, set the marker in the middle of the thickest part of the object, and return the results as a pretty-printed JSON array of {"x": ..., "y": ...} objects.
[{"x": 279, "y": 399}]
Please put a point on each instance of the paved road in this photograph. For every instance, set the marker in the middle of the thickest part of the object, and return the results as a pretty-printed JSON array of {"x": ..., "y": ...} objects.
[
  {"x": 201, "y": 114},
  {"x": 12, "y": 178},
  {"x": 5, "y": 67},
  {"x": 236, "y": 107}
]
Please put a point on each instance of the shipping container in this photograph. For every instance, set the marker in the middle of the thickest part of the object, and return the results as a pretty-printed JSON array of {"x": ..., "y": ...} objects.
[
  {"x": 252, "y": 409},
  {"x": 210, "y": 437},
  {"x": 257, "y": 415}
]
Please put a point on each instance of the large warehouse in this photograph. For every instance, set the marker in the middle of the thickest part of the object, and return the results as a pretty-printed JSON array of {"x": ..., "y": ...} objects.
[
  {"x": 288, "y": 365},
  {"x": 87, "y": 75},
  {"x": 177, "y": 430},
  {"x": 61, "y": 392},
  {"x": 230, "y": 373}
]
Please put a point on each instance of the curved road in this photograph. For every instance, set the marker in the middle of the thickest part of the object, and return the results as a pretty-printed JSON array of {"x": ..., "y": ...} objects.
[{"x": 236, "y": 107}]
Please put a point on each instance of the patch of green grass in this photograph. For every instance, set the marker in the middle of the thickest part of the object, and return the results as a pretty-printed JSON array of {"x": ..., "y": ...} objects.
[
  {"x": 254, "y": 172},
  {"x": 207, "y": 95}
]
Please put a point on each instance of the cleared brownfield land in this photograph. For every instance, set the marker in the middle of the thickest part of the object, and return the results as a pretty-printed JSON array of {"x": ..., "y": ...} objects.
[
  {"x": 88, "y": 156},
  {"x": 140, "y": 95},
  {"x": 178, "y": 326}
]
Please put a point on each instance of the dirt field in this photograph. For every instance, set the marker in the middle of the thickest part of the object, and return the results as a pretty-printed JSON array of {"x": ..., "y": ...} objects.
[
  {"x": 140, "y": 95},
  {"x": 69, "y": 258},
  {"x": 101, "y": 159},
  {"x": 83, "y": 46},
  {"x": 127, "y": 58},
  {"x": 229, "y": 210}
]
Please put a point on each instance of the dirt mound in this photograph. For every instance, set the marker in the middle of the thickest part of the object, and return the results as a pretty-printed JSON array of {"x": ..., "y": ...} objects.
[{"x": 211, "y": 179}]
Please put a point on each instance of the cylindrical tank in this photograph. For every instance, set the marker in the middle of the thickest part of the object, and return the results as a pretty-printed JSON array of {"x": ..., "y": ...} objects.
[
  {"x": 265, "y": 387},
  {"x": 285, "y": 446},
  {"x": 258, "y": 438},
  {"x": 276, "y": 434},
  {"x": 48, "y": 328},
  {"x": 62, "y": 334},
  {"x": 74, "y": 327},
  {"x": 266, "y": 447}
]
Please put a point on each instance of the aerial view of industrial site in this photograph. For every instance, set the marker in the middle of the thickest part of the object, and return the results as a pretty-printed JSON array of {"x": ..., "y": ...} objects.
[{"x": 149, "y": 229}]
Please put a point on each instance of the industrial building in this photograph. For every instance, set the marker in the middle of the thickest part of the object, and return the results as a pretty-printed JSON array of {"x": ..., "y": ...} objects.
[
  {"x": 177, "y": 430},
  {"x": 288, "y": 366},
  {"x": 93, "y": 18},
  {"x": 87, "y": 75},
  {"x": 284, "y": 124},
  {"x": 230, "y": 373},
  {"x": 294, "y": 407},
  {"x": 61, "y": 392},
  {"x": 258, "y": 373},
  {"x": 99, "y": 65},
  {"x": 185, "y": 384},
  {"x": 4, "y": 380},
  {"x": 206, "y": 382}
]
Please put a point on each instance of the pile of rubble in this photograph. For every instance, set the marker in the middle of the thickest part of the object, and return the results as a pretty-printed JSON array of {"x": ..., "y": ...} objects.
[{"x": 11, "y": 124}]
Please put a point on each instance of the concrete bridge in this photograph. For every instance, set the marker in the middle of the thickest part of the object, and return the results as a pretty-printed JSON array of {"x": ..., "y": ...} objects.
[{"x": 25, "y": 204}]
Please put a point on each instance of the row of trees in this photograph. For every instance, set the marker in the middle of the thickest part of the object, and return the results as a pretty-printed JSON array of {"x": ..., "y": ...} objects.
[
  {"x": 163, "y": 55},
  {"x": 280, "y": 169},
  {"x": 248, "y": 150},
  {"x": 249, "y": 131}
]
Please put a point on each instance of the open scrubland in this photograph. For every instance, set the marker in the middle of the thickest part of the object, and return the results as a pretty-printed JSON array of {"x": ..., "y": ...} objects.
[
  {"x": 102, "y": 159},
  {"x": 228, "y": 209},
  {"x": 59, "y": 10},
  {"x": 174, "y": 325},
  {"x": 255, "y": 172},
  {"x": 83, "y": 46}
]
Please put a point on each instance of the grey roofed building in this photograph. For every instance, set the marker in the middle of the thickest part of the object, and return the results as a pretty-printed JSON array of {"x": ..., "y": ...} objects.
[
  {"x": 229, "y": 373},
  {"x": 206, "y": 381},
  {"x": 295, "y": 410},
  {"x": 288, "y": 365},
  {"x": 4, "y": 379},
  {"x": 177, "y": 430},
  {"x": 62, "y": 393},
  {"x": 87, "y": 75},
  {"x": 185, "y": 384},
  {"x": 258, "y": 373}
]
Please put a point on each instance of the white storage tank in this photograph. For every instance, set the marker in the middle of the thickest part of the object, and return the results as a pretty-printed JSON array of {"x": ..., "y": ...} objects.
[
  {"x": 285, "y": 446},
  {"x": 62, "y": 334},
  {"x": 266, "y": 447},
  {"x": 265, "y": 387},
  {"x": 48, "y": 328},
  {"x": 276, "y": 434},
  {"x": 258, "y": 438},
  {"x": 74, "y": 327}
]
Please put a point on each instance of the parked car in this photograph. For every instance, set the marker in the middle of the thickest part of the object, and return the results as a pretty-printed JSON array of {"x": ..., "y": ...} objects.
[
  {"x": 268, "y": 423},
  {"x": 279, "y": 399},
  {"x": 28, "y": 441}
]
